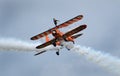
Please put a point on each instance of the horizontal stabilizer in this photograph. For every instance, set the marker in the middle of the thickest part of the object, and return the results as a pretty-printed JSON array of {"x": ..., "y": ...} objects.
[
  {"x": 40, "y": 52},
  {"x": 76, "y": 36}
]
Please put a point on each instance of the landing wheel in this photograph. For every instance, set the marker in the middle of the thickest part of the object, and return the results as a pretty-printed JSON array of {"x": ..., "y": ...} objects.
[{"x": 57, "y": 52}]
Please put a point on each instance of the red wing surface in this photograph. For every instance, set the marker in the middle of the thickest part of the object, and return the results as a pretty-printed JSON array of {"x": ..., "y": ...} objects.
[
  {"x": 71, "y": 21},
  {"x": 76, "y": 30},
  {"x": 42, "y": 34},
  {"x": 45, "y": 44}
]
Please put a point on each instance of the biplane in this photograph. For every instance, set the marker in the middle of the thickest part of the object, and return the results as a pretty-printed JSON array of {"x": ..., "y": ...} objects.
[{"x": 59, "y": 36}]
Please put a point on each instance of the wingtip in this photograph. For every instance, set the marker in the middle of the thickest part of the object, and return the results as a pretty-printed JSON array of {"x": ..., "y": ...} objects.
[
  {"x": 31, "y": 38},
  {"x": 84, "y": 26},
  {"x": 38, "y": 47},
  {"x": 81, "y": 16}
]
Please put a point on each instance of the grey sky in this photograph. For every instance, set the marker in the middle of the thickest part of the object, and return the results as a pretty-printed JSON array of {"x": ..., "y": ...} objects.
[{"x": 24, "y": 18}]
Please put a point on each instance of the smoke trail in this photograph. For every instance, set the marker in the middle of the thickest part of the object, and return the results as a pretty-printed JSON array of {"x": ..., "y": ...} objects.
[
  {"x": 19, "y": 45},
  {"x": 14, "y": 44},
  {"x": 102, "y": 59}
]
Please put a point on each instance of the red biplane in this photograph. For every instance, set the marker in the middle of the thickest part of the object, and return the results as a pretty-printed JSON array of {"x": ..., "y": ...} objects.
[{"x": 59, "y": 36}]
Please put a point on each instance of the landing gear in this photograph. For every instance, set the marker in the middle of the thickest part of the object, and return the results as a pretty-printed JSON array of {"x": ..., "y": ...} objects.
[{"x": 57, "y": 53}]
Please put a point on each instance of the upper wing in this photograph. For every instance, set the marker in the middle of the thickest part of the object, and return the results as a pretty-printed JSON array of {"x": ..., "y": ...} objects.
[
  {"x": 46, "y": 44},
  {"x": 75, "y": 19},
  {"x": 76, "y": 30},
  {"x": 71, "y": 21}
]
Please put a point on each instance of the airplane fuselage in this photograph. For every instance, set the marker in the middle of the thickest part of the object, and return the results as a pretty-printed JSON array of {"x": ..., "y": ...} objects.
[{"x": 59, "y": 37}]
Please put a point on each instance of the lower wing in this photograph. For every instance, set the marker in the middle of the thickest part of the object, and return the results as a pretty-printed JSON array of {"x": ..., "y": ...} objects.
[
  {"x": 46, "y": 44},
  {"x": 76, "y": 30}
]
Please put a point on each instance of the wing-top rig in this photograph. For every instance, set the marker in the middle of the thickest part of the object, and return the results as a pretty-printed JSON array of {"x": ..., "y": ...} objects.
[{"x": 59, "y": 36}]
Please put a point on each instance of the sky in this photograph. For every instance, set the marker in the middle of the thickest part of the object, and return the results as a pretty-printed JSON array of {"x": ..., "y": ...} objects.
[{"x": 22, "y": 19}]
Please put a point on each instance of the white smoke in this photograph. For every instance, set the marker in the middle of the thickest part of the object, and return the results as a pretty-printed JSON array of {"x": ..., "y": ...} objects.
[
  {"x": 11, "y": 44},
  {"x": 15, "y": 45},
  {"x": 106, "y": 61}
]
